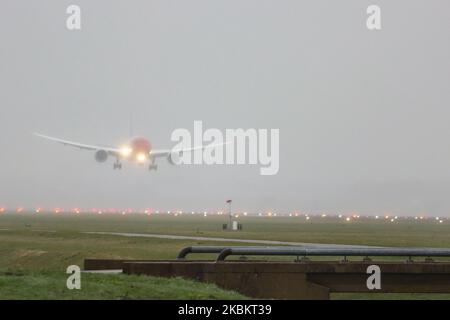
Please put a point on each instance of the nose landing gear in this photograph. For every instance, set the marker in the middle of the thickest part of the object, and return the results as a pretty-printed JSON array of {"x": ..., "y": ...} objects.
[{"x": 152, "y": 165}]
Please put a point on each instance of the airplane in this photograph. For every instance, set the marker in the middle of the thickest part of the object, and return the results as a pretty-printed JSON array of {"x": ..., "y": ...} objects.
[{"x": 138, "y": 150}]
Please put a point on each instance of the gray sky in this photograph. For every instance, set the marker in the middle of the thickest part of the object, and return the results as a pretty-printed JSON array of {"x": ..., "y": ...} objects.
[{"x": 363, "y": 115}]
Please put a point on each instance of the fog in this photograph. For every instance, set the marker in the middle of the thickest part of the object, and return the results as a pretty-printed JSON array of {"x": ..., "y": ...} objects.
[{"x": 363, "y": 115}]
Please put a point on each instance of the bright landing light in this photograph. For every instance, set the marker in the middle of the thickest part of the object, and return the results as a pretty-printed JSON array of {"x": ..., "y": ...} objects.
[
  {"x": 141, "y": 157},
  {"x": 126, "y": 151}
]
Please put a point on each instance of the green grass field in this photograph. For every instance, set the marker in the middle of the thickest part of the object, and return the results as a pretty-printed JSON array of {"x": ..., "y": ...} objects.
[
  {"x": 35, "y": 249},
  {"x": 50, "y": 285}
]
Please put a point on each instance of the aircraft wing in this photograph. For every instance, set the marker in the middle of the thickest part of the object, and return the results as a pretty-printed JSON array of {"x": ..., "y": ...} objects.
[
  {"x": 110, "y": 150},
  {"x": 166, "y": 152}
]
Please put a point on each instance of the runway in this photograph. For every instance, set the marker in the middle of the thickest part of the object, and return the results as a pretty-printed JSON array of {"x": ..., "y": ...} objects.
[{"x": 250, "y": 241}]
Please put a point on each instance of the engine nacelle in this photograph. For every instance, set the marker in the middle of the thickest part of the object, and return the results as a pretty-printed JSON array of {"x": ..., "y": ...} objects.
[
  {"x": 101, "y": 155},
  {"x": 174, "y": 158}
]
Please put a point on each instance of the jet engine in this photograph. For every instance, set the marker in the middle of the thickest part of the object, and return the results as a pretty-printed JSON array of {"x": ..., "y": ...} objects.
[
  {"x": 101, "y": 155},
  {"x": 174, "y": 158}
]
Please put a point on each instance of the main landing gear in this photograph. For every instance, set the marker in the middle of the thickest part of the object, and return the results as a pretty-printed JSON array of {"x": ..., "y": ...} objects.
[{"x": 117, "y": 165}]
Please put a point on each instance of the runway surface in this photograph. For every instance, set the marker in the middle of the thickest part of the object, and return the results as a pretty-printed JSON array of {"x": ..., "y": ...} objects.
[{"x": 269, "y": 242}]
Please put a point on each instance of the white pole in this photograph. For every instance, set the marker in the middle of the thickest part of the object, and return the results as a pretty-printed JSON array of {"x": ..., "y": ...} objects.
[{"x": 229, "y": 211}]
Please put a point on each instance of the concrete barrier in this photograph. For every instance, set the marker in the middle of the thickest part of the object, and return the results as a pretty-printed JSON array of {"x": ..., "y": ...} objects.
[{"x": 309, "y": 280}]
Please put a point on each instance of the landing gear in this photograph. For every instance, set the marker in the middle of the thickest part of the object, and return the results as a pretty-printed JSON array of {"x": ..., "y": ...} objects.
[
  {"x": 117, "y": 165},
  {"x": 152, "y": 165}
]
